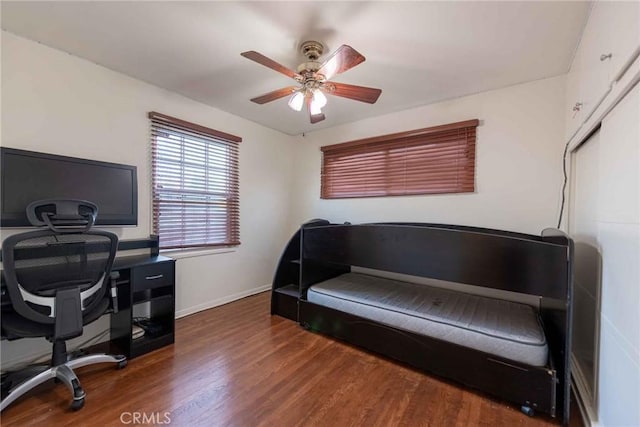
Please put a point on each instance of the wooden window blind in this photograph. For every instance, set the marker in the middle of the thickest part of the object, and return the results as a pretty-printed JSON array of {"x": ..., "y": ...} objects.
[
  {"x": 195, "y": 184},
  {"x": 433, "y": 160}
]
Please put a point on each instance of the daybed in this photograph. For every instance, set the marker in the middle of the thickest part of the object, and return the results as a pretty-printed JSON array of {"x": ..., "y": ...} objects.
[{"x": 329, "y": 280}]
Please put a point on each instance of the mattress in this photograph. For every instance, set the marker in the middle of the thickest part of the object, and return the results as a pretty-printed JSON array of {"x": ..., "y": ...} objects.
[{"x": 504, "y": 328}]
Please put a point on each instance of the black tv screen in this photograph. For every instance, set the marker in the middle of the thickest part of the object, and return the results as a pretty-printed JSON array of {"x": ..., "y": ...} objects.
[{"x": 28, "y": 176}]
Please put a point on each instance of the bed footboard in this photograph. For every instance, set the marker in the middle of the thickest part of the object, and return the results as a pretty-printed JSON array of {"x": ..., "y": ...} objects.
[{"x": 530, "y": 386}]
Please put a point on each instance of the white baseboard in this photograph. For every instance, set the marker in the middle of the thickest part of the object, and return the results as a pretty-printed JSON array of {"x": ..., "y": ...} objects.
[
  {"x": 583, "y": 397},
  {"x": 221, "y": 301}
]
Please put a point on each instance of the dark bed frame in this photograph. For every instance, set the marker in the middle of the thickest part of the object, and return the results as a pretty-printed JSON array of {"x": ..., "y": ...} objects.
[{"x": 534, "y": 265}]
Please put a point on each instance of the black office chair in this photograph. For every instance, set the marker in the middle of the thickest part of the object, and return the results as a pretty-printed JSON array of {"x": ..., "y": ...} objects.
[{"x": 58, "y": 280}]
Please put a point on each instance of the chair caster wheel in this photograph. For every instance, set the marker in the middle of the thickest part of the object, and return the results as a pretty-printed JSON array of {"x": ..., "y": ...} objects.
[
  {"x": 527, "y": 410},
  {"x": 77, "y": 404},
  {"x": 122, "y": 364}
]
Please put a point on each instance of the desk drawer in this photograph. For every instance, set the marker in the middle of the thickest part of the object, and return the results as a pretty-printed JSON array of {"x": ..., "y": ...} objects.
[{"x": 152, "y": 276}]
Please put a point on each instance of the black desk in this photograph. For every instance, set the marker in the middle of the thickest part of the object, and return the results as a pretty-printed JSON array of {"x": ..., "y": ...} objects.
[{"x": 148, "y": 278}]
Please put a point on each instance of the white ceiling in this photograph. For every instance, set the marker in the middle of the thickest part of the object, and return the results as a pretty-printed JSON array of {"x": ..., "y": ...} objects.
[{"x": 417, "y": 52}]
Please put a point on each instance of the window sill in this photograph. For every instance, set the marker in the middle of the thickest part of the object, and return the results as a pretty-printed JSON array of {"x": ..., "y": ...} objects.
[{"x": 192, "y": 253}]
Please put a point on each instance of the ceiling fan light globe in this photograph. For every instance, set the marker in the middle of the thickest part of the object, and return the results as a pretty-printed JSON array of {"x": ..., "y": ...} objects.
[
  {"x": 319, "y": 98},
  {"x": 314, "y": 108},
  {"x": 296, "y": 101}
]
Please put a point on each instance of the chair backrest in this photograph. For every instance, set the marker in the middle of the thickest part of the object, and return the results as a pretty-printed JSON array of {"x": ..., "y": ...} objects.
[{"x": 60, "y": 274}]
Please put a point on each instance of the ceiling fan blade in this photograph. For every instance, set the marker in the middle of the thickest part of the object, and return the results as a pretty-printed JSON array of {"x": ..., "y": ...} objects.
[
  {"x": 343, "y": 59},
  {"x": 267, "y": 62},
  {"x": 359, "y": 93},
  {"x": 272, "y": 96}
]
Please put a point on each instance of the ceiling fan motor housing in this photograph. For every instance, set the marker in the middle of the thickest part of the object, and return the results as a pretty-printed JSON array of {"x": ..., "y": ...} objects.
[{"x": 312, "y": 50}]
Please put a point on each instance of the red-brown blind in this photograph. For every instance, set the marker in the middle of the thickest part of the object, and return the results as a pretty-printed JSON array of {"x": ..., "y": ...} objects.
[
  {"x": 196, "y": 199},
  {"x": 433, "y": 160}
]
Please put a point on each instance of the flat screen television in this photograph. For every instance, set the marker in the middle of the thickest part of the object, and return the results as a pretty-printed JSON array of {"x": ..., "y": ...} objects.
[{"x": 27, "y": 176}]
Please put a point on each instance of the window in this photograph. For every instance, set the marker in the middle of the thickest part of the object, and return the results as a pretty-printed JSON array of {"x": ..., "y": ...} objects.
[
  {"x": 195, "y": 184},
  {"x": 433, "y": 160}
]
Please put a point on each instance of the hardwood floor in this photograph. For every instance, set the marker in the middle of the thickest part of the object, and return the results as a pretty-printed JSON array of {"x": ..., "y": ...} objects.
[{"x": 236, "y": 365}]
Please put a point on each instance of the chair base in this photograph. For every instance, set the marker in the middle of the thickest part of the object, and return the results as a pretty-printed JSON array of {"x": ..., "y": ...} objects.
[{"x": 64, "y": 373}]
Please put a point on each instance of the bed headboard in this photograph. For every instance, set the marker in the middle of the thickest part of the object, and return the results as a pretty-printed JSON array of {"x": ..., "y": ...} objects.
[
  {"x": 515, "y": 262},
  {"x": 534, "y": 265}
]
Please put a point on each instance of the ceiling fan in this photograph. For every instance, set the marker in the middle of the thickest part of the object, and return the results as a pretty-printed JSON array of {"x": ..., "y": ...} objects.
[{"x": 313, "y": 79}]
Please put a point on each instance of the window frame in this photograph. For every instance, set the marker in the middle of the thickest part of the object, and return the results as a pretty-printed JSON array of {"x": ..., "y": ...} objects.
[
  {"x": 199, "y": 136},
  {"x": 384, "y": 163}
]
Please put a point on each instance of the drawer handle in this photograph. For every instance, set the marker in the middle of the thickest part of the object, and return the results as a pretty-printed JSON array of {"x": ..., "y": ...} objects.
[
  {"x": 157, "y": 276},
  {"x": 604, "y": 56}
]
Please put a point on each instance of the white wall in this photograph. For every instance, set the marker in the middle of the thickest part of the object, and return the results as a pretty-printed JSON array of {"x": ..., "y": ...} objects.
[
  {"x": 518, "y": 163},
  {"x": 58, "y": 103}
]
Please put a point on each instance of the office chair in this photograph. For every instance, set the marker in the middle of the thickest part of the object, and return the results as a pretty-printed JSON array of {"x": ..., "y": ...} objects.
[{"x": 57, "y": 280}]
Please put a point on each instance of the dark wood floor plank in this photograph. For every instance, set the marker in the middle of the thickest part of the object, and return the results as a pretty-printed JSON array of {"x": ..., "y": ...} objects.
[{"x": 236, "y": 365}]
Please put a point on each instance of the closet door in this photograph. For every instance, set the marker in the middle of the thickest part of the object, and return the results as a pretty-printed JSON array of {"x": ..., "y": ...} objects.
[
  {"x": 619, "y": 241},
  {"x": 624, "y": 35},
  {"x": 583, "y": 227},
  {"x": 594, "y": 82},
  {"x": 604, "y": 221}
]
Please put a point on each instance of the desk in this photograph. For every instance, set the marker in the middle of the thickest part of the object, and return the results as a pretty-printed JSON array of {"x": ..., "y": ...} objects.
[{"x": 148, "y": 278}]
